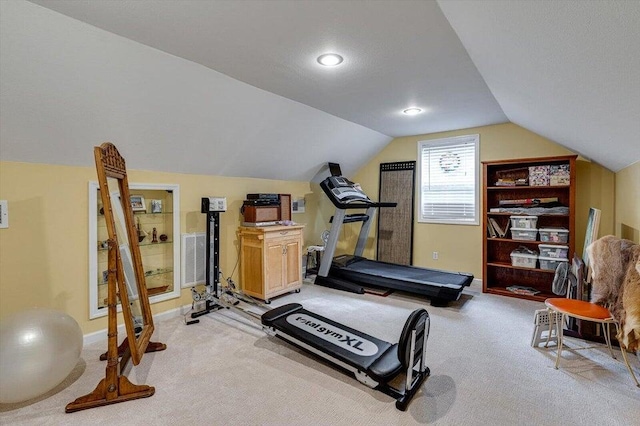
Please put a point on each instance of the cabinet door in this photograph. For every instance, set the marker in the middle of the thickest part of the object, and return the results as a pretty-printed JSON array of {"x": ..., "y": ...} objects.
[
  {"x": 293, "y": 269},
  {"x": 274, "y": 254},
  {"x": 251, "y": 266}
]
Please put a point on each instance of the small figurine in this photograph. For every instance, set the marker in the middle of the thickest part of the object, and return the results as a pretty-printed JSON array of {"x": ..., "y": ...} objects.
[
  {"x": 141, "y": 233},
  {"x": 155, "y": 236}
]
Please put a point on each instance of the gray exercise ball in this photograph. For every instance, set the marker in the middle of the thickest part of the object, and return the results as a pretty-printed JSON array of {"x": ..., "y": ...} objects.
[{"x": 38, "y": 349}]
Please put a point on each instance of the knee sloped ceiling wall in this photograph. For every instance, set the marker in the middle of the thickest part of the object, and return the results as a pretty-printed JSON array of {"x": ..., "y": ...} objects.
[
  {"x": 566, "y": 70},
  {"x": 67, "y": 86}
]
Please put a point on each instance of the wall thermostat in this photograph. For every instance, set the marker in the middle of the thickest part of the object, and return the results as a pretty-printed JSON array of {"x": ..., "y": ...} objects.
[
  {"x": 4, "y": 214},
  {"x": 214, "y": 204}
]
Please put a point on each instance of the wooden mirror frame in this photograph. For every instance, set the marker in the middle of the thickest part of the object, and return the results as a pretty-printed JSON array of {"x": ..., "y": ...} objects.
[
  {"x": 110, "y": 164},
  {"x": 115, "y": 387}
]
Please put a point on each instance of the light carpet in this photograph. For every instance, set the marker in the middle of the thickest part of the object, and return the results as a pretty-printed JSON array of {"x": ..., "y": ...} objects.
[{"x": 226, "y": 371}]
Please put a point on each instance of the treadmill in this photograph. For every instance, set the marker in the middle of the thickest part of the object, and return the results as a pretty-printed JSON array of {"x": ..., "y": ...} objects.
[{"x": 351, "y": 273}]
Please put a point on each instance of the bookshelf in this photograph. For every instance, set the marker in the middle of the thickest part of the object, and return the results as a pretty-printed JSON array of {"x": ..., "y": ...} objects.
[{"x": 505, "y": 181}]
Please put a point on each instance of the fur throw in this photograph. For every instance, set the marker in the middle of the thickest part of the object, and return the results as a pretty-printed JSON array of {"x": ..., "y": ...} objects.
[{"x": 615, "y": 278}]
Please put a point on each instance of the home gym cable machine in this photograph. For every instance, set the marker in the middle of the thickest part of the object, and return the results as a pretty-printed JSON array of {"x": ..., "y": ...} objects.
[
  {"x": 216, "y": 296},
  {"x": 212, "y": 207},
  {"x": 372, "y": 361}
]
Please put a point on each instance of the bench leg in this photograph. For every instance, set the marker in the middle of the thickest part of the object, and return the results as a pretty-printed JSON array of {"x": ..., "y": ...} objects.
[
  {"x": 607, "y": 338},
  {"x": 560, "y": 336},
  {"x": 624, "y": 357},
  {"x": 626, "y": 361}
]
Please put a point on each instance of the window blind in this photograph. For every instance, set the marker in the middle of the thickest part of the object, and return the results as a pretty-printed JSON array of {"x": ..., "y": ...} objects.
[{"x": 449, "y": 180}]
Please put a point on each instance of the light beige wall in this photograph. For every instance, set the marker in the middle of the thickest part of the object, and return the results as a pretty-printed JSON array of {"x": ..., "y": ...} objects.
[
  {"x": 460, "y": 246},
  {"x": 627, "y": 215},
  {"x": 595, "y": 188},
  {"x": 44, "y": 252}
]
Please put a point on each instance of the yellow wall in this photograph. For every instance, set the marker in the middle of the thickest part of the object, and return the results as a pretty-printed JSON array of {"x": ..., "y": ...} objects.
[
  {"x": 460, "y": 246},
  {"x": 44, "y": 252},
  {"x": 627, "y": 217}
]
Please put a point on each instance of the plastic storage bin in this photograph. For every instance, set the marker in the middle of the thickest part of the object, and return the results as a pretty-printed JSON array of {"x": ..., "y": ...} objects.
[
  {"x": 557, "y": 252},
  {"x": 527, "y": 222},
  {"x": 523, "y": 260},
  {"x": 524, "y": 234},
  {"x": 550, "y": 263},
  {"x": 556, "y": 235}
]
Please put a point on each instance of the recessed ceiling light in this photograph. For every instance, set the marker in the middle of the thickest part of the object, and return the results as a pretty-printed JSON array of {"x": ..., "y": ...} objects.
[
  {"x": 412, "y": 111},
  {"x": 330, "y": 59}
]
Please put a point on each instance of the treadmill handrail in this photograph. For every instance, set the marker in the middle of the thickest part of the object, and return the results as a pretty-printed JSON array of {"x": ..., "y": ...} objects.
[
  {"x": 362, "y": 205},
  {"x": 353, "y": 204}
]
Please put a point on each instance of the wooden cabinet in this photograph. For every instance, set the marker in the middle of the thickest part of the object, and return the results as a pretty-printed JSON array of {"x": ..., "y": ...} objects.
[
  {"x": 270, "y": 260},
  {"x": 498, "y": 272}
]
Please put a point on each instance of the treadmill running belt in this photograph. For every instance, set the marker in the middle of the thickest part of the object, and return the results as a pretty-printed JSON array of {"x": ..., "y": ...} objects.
[{"x": 410, "y": 274}]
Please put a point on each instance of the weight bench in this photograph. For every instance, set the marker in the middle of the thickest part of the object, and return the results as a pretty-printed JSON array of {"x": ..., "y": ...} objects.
[{"x": 373, "y": 362}]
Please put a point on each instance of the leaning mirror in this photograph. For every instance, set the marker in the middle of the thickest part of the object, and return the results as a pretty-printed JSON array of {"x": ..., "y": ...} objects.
[
  {"x": 125, "y": 274},
  {"x": 125, "y": 281}
]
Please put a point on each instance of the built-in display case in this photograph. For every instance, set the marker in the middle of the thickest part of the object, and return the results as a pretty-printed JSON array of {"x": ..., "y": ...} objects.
[{"x": 157, "y": 220}]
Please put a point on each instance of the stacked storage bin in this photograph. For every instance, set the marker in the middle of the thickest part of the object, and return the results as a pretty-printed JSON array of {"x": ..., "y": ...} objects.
[
  {"x": 524, "y": 257},
  {"x": 554, "y": 235},
  {"x": 552, "y": 255},
  {"x": 524, "y": 227}
]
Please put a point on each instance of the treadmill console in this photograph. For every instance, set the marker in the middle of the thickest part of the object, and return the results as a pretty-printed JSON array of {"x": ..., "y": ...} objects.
[{"x": 344, "y": 191}]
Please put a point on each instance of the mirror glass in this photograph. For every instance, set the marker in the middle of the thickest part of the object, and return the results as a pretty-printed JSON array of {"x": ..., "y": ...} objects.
[{"x": 124, "y": 250}]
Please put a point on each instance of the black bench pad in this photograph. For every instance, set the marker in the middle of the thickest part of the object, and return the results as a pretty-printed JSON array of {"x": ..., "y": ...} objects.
[{"x": 375, "y": 357}]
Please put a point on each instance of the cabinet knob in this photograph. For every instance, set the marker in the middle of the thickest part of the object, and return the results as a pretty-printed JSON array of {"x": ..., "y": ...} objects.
[{"x": 284, "y": 232}]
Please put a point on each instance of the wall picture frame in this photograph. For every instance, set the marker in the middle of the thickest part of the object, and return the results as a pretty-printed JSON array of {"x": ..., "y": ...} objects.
[
  {"x": 591, "y": 234},
  {"x": 156, "y": 206},
  {"x": 297, "y": 206},
  {"x": 138, "y": 204}
]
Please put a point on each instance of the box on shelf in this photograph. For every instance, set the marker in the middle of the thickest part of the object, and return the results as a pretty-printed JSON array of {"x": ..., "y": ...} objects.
[
  {"x": 559, "y": 175},
  {"x": 526, "y": 222},
  {"x": 557, "y": 252},
  {"x": 524, "y": 234},
  {"x": 523, "y": 260},
  {"x": 513, "y": 177},
  {"x": 539, "y": 175},
  {"x": 555, "y": 235},
  {"x": 550, "y": 263}
]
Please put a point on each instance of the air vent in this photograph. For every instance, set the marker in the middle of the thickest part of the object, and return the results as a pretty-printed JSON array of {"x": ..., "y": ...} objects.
[{"x": 194, "y": 256}]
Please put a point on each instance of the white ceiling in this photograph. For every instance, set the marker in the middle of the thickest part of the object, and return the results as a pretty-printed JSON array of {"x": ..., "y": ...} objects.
[
  {"x": 567, "y": 70},
  {"x": 397, "y": 54}
]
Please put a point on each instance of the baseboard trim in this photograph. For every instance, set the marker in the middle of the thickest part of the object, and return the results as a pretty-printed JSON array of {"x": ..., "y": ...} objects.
[{"x": 101, "y": 335}]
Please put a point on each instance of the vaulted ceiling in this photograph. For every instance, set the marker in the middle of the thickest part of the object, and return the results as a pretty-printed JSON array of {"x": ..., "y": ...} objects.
[{"x": 567, "y": 70}]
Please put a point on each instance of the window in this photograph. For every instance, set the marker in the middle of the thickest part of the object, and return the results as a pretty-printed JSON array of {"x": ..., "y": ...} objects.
[{"x": 449, "y": 180}]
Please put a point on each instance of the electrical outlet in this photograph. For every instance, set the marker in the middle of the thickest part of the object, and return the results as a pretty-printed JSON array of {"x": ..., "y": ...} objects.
[{"x": 435, "y": 255}]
